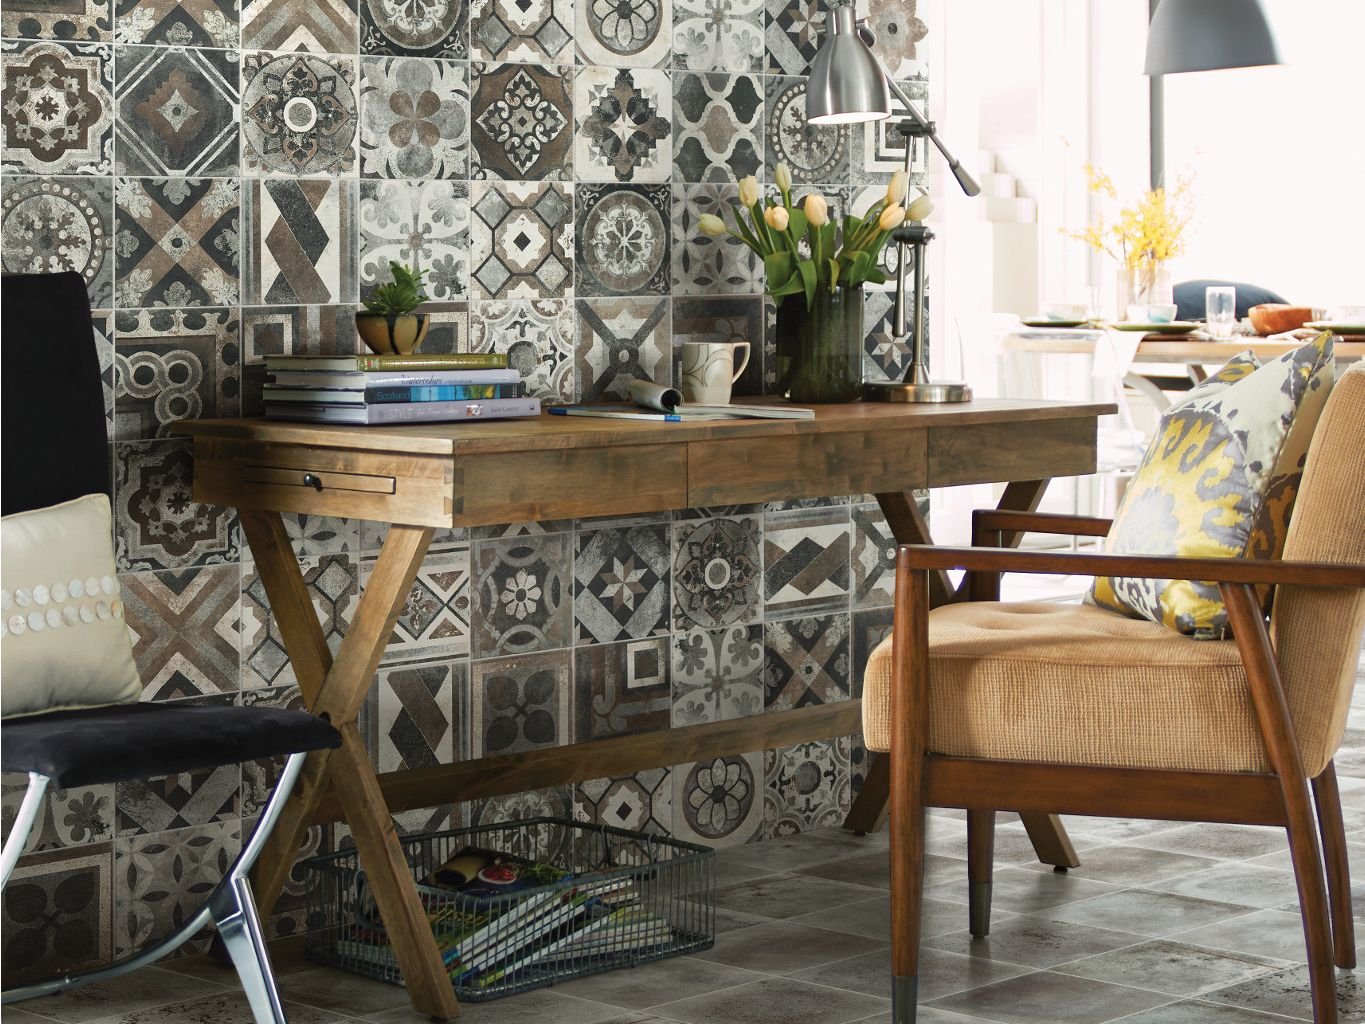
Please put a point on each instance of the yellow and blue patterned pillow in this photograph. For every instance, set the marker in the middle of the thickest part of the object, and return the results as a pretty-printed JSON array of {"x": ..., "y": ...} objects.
[{"x": 1218, "y": 481}]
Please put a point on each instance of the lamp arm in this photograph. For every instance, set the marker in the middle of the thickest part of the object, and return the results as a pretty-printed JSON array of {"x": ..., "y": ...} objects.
[{"x": 964, "y": 179}]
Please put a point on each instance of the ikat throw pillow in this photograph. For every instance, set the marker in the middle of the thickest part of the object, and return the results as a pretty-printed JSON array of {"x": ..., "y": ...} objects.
[
  {"x": 63, "y": 641},
  {"x": 1218, "y": 481}
]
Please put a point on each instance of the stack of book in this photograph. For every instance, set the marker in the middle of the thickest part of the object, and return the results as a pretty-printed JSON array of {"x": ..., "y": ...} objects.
[{"x": 375, "y": 389}]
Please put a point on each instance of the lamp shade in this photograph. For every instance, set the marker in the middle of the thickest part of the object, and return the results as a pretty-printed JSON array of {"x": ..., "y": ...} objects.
[
  {"x": 846, "y": 85},
  {"x": 1204, "y": 35}
]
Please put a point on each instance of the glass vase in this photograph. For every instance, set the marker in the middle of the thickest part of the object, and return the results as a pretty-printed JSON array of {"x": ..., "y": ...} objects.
[
  {"x": 1143, "y": 286},
  {"x": 820, "y": 349}
]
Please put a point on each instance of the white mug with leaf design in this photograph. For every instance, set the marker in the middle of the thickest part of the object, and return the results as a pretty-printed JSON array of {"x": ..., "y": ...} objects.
[{"x": 709, "y": 371}]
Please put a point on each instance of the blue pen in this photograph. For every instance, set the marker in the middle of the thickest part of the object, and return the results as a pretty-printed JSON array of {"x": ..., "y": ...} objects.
[{"x": 612, "y": 414}]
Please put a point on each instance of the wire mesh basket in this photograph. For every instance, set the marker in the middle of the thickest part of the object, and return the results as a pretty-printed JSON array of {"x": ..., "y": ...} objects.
[{"x": 618, "y": 898}]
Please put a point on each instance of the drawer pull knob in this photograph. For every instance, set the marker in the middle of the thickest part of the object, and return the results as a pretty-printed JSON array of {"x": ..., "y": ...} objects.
[{"x": 313, "y": 481}]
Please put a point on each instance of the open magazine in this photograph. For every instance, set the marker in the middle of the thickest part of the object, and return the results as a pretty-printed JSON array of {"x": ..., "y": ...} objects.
[{"x": 648, "y": 395}]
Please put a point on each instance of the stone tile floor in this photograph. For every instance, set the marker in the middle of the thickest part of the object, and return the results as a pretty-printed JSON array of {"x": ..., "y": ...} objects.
[{"x": 1164, "y": 923}]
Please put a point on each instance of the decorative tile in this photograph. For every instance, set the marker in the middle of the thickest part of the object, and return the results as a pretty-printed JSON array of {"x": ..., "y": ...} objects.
[
  {"x": 621, "y": 689},
  {"x": 421, "y": 224},
  {"x": 161, "y": 880},
  {"x": 717, "y": 126},
  {"x": 623, "y": 130},
  {"x": 58, "y": 109},
  {"x": 640, "y": 803},
  {"x": 521, "y": 240},
  {"x": 521, "y": 703},
  {"x": 48, "y": 225},
  {"x": 298, "y": 331},
  {"x": 71, "y": 817},
  {"x": 532, "y": 31},
  {"x": 157, "y": 522},
  {"x": 177, "y": 23},
  {"x": 718, "y": 802},
  {"x": 171, "y": 365},
  {"x": 545, "y": 842},
  {"x": 414, "y": 118},
  {"x": 334, "y": 589},
  {"x": 718, "y": 35},
  {"x": 177, "y": 242},
  {"x": 879, "y": 147},
  {"x": 522, "y": 122},
  {"x": 299, "y": 114},
  {"x": 415, "y": 28},
  {"x": 434, "y": 621},
  {"x": 521, "y": 595},
  {"x": 898, "y": 31},
  {"x": 869, "y": 629},
  {"x": 259, "y": 777},
  {"x": 301, "y": 244},
  {"x": 795, "y": 31},
  {"x": 805, "y": 561},
  {"x": 620, "y": 340},
  {"x": 57, "y": 914},
  {"x": 703, "y": 265},
  {"x": 621, "y": 583},
  {"x": 183, "y": 625},
  {"x": 624, "y": 33},
  {"x": 874, "y": 557},
  {"x": 814, "y": 153},
  {"x": 622, "y": 235},
  {"x": 805, "y": 787},
  {"x": 177, "y": 801},
  {"x": 805, "y": 662},
  {"x": 717, "y": 674},
  {"x": 885, "y": 357},
  {"x": 290, "y": 916},
  {"x": 447, "y": 327},
  {"x": 717, "y": 566},
  {"x": 320, "y": 535},
  {"x": 523, "y": 529},
  {"x": 537, "y": 336},
  {"x": 722, "y": 318},
  {"x": 84, "y": 20},
  {"x": 419, "y": 715},
  {"x": 319, "y": 26}
]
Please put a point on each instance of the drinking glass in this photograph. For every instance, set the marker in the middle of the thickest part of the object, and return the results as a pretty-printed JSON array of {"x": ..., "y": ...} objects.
[{"x": 1220, "y": 311}]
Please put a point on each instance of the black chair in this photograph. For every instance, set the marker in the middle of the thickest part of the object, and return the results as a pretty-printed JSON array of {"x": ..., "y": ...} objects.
[
  {"x": 1189, "y": 297},
  {"x": 47, "y": 337}
]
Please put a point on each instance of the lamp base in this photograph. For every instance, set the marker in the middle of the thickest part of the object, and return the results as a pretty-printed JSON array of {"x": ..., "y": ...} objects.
[{"x": 900, "y": 391}]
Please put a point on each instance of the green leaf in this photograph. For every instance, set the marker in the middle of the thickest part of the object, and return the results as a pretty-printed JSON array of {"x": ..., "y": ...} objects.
[
  {"x": 876, "y": 276},
  {"x": 797, "y": 224},
  {"x": 749, "y": 236},
  {"x": 809, "y": 279},
  {"x": 779, "y": 268},
  {"x": 833, "y": 273}
]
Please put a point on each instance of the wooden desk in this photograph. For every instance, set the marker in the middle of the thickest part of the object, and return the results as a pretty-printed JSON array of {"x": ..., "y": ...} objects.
[{"x": 417, "y": 478}]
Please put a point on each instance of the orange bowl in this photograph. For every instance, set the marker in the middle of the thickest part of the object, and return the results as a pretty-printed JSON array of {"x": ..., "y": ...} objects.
[{"x": 1277, "y": 317}]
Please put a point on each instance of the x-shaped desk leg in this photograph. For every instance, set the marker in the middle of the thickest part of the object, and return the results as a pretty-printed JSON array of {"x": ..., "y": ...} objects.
[
  {"x": 1046, "y": 831},
  {"x": 337, "y": 689}
]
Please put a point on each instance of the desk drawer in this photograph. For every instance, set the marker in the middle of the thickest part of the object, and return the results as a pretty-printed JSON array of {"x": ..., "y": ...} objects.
[{"x": 319, "y": 480}]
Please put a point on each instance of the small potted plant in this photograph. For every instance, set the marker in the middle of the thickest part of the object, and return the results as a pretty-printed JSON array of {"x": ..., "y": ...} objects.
[{"x": 389, "y": 325}]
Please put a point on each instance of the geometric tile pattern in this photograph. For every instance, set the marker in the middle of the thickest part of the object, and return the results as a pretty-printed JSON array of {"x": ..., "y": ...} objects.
[
  {"x": 522, "y": 122},
  {"x": 320, "y": 26},
  {"x": 703, "y": 265},
  {"x": 177, "y": 241},
  {"x": 806, "y": 661},
  {"x": 716, "y": 572},
  {"x": 49, "y": 225},
  {"x": 301, "y": 245},
  {"x": 522, "y": 598},
  {"x": 620, "y": 340},
  {"x": 298, "y": 114},
  {"x": 334, "y": 589},
  {"x": 624, "y": 33},
  {"x": 805, "y": 787},
  {"x": 42, "y": 19},
  {"x": 184, "y": 628},
  {"x": 77, "y": 816},
  {"x": 434, "y": 621},
  {"x": 177, "y": 111},
  {"x": 621, "y": 583},
  {"x": 717, "y": 126},
  {"x": 885, "y": 357},
  {"x": 521, "y": 240},
  {"x": 421, "y": 224},
  {"x": 531, "y": 31},
  {"x": 537, "y": 336},
  {"x": 414, "y": 118},
  {"x": 173, "y": 364},
  {"x": 57, "y": 913},
  {"x": 805, "y": 561},
  {"x": 521, "y": 703},
  {"x": 419, "y": 723},
  {"x": 416, "y": 28},
  {"x": 57, "y": 108},
  {"x": 177, "y": 22},
  {"x": 623, "y": 130},
  {"x": 157, "y": 522},
  {"x": 795, "y": 30},
  {"x": 717, "y": 674},
  {"x": 874, "y": 557},
  {"x": 621, "y": 688},
  {"x": 817, "y": 154},
  {"x": 622, "y": 236},
  {"x": 640, "y": 803},
  {"x": 177, "y": 801}
]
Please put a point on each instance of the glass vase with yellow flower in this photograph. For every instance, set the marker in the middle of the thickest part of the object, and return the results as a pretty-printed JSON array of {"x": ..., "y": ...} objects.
[{"x": 815, "y": 269}]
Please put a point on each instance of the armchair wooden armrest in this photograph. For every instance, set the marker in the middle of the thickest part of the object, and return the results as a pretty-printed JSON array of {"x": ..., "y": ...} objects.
[{"x": 991, "y": 520}]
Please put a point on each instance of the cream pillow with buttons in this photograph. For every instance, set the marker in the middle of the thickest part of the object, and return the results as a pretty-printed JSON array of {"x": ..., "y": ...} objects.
[{"x": 63, "y": 641}]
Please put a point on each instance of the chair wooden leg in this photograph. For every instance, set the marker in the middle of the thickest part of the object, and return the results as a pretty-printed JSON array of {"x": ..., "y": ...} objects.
[
  {"x": 1333, "y": 829},
  {"x": 980, "y": 870}
]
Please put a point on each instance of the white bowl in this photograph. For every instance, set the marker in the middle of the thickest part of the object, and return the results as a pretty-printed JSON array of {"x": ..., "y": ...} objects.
[
  {"x": 1065, "y": 310},
  {"x": 1347, "y": 314}
]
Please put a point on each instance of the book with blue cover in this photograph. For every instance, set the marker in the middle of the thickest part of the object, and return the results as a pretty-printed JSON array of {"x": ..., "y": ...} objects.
[{"x": 394, "y": 393}]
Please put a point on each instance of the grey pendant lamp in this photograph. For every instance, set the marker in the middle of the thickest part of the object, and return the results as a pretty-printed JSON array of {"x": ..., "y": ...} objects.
[{"x": 1205, "y": 35}]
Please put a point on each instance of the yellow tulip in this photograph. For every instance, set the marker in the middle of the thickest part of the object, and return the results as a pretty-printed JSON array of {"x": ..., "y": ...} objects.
[
  {"x": 783, "y": 177},
  {"x": 777, "y": 218},
  {"x": 892, "y": 216},
  {"x": 817, "y": 210},
  {"x": 920, "y": 208},
  {"x": 711, "y": 225},
  {"x": 895, "y": 192},
  {"x": 748, "y": 190}
]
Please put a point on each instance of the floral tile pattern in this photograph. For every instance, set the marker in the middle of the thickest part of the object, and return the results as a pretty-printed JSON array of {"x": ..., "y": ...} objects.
[
  {"x": 334, "y": 588},
  {"x": 545, "y": 841},
  {"x": 521, "y": 240},
  {"x": 620, "y": 340},
  {"x": 57, "y": 914},
  {"x": 633, "y": 33},
  {"x": 299, "y": 114},
  {"x": 301, "y": 244},
  {"x": 521, "y": 703},
  {"x": 77, "y": 20},
  {"x": 717, "y": 674},
  {"x": 531, "y": 31},
  {"x": 623, "y": 130},
  {"x": 160, "y": 880},
  {"x": 703, "y": 265},
  {"x": 177, "y": 111},
  {"x": 157, "y": 522},
  {"x": 621, "y": 583},
  {"x": 715, "y": 35},
  {"x": 805, "y": 787},
  {"x": 173, "y": 364},
  {"x": 416, "y": 28},
  {"x": 421, "y": 224},
  {"x": 259, "y": 777},
  {"x": 717, "y": 126},
  {"x": 419, "y": 713},
  {"x": 177, "y": 22},
  {"x": 320, "y": 535},
  {"x": 177, "y": 801},
  {"x": 805, "y": 662},
  {"x": 717, "y": 566},
  {"x": 640, "y": 803},
  {"x": 718, "y": 802},
  {"x": 622, "y": 238},
  {"x": 899, "y": 30},
  {"x": 291, "y": 906},
  {"x": 874, "y": 557},
  {"x": 522, "y": 597},
  {"x": 48, "y": 225},
  {"x": 414, "y": 118},
  {"x": 77, "y": 816},
  {"x": 724, "y": 318},
  {"x": 814, "y": 153},
  {"x": 434, "y": 622},
  {"x": 177, "y": 241},
  {"x": 183, "y": 625},
  {"x": 537, "y": 336},
  {"x": 805, "y": 561},
  {"x": 522, "y": 122},
  {"x": 622, "y": 688},
  {"x": 56, "y": 107},
  {"x": 320, "y": 26}
]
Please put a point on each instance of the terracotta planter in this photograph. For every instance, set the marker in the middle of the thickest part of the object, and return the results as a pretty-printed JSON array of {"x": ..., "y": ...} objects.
[{"x": 392, "y": 335}]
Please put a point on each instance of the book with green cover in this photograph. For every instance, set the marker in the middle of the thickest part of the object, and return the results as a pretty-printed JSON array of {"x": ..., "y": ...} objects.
[{"x": 413, "y": 361}]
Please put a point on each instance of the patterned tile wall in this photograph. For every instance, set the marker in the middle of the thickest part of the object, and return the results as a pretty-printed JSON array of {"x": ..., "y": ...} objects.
[{"x": 231, "y": 177}]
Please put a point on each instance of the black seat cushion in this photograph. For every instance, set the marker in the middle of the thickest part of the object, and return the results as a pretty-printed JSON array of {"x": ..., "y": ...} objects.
[
  {"x": 138, "y": 741},
  {"x": 1189, "y": 297}
]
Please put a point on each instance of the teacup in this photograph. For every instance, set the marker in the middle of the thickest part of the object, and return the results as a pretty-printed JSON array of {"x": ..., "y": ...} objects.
[
  {"x": 709, "y": 372},
  {"x": 1151, "y": 312},
  {"x": 1066, "y": 310}
]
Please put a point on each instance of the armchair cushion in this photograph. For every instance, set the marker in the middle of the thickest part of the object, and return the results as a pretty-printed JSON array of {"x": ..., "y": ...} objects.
[{"x": 1219, "y": 480}]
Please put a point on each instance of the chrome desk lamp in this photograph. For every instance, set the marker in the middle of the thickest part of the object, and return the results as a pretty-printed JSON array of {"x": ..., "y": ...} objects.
[{"x": 850, "y": 85}]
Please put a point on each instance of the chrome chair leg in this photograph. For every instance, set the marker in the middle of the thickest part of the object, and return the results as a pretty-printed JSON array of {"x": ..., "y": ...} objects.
[
  {"x": 23, "y": 825},
  {"x": 240, "y": 929}
]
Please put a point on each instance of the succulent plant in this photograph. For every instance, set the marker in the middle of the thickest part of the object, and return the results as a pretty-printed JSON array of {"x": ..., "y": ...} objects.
[{"x": 401, "y": 295}]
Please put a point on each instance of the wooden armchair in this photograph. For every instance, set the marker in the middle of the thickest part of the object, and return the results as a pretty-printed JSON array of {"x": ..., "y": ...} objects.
[{"x": 1077, "y": 710}]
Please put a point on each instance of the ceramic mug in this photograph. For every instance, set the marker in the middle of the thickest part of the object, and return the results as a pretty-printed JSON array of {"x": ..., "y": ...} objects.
[{"x": 709, "y": 371}]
